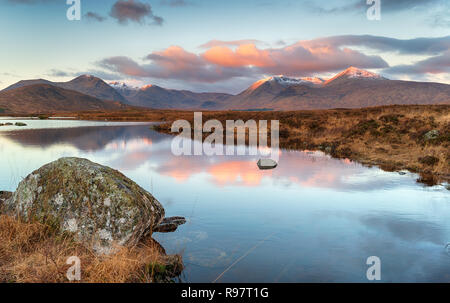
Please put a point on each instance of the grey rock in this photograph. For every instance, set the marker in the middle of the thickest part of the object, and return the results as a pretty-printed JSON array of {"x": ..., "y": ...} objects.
[
  {"x": 267, "y": 164},
  {"x": 431, "y": 135},
  {"x": 170, "y": 224},
  {"x": 98, "y": 204}
]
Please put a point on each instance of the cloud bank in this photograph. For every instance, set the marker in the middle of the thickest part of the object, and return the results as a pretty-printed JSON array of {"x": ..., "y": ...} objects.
[{"x": 226, "y": 60}]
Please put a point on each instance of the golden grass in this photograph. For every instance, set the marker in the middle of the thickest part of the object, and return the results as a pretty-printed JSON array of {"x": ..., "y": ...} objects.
[{"x": 31, "y": 253}]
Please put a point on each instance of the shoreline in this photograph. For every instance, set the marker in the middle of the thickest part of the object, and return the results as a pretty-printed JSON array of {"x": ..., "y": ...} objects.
[{"x": 415, "y": 138}]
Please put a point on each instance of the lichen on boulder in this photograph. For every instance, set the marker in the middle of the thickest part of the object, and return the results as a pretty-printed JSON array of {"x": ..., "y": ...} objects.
[
  {"x": 98, "y": 204},
  {"x": 4, "y": 195}
]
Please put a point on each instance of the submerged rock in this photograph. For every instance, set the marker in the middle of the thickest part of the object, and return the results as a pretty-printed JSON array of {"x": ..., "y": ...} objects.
[
  {"x": 267, "y": 164},
  {"x": 165, "y": 267},
  {"x": 170, "y": 224},
  {"x": 98, "y": 204}
]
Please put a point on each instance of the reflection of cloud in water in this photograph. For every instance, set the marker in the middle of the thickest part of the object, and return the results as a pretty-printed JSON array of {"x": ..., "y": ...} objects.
[
  {"x": 395, "y": 226},
  {"x": 411, "y": 248},
  {"x": 406, "y": 229},
  {"x": 130, "y": 147},
  {"x": 295, "y": 168}
]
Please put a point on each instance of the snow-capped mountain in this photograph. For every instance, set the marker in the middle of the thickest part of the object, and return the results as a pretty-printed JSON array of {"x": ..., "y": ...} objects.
[
  {"x": 287, "y": 81},
  {"x": 157, "y": 97},
  {"x": 123, "y": 88},
  {"x": 356, "y": 73}
]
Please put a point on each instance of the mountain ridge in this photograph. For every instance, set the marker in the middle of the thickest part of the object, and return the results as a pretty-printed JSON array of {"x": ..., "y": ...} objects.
[
  {"x": 85, "y": 84},
  {"x": 351, "y": 88},
  {"x": 46, "y": 98}
]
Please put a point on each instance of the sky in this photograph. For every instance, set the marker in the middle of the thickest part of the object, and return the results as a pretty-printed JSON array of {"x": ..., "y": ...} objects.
[{"x": 222, "y": 46}]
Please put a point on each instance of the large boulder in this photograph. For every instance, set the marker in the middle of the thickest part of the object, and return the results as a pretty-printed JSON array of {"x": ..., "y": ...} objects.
[{"x": 98, "y": 204}]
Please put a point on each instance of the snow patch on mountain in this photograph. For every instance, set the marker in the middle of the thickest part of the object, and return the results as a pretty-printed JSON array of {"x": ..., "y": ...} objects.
[
  {"x": 356, "y": 73},
  {"x": 313, "y": 80},
  {"x": 287, "y": 81},
  {"x": 122, "y": 86},
  {"x": 145, "y": 87},
  {"x": 353, "y": 72}
]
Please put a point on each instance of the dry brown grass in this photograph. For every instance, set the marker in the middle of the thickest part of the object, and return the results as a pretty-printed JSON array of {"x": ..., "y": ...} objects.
[{"x": 31, "y": 253}]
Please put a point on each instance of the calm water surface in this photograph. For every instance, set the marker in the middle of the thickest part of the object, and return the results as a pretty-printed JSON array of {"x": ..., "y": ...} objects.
[{"x": 313, "y": 219}]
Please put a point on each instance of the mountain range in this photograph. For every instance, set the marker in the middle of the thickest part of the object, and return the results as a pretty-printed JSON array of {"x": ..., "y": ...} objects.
[
  {"x": 352, "y": 88},
  {"x": 153, "y": 96}
]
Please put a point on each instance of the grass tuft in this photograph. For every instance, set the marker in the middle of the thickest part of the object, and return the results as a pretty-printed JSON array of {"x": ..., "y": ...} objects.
[{"x": 32, "y": 253}]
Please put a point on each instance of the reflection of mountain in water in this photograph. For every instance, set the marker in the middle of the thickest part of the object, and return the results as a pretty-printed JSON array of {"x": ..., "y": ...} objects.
[
  {"x": 129, "y": 147},
  {"x": 83, "y": 138}
]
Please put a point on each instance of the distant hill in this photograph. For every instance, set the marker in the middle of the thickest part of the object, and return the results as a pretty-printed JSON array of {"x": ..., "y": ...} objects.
[
  {"x": 45, "y": 98},
  {"x": 85, "y": 84}
]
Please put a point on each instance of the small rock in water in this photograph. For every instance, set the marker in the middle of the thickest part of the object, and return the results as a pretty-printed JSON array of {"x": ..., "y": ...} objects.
[
  {"x": 20, "y": 124},
  {"x": 267, "y": 164},
  {"x": 170, "y": 224}
]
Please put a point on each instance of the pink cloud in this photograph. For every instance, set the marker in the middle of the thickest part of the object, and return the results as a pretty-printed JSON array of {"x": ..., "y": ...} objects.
[
  {"x": 226, "y": 60},
  {"x": 214, "y": 43},
  {"x": 244, "y": 55},
  {"x": 301, "y": 58}
]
